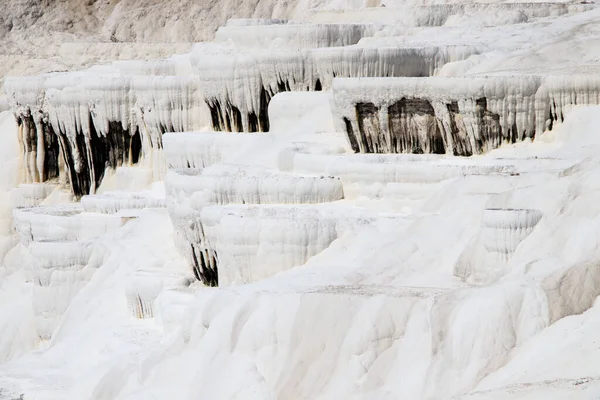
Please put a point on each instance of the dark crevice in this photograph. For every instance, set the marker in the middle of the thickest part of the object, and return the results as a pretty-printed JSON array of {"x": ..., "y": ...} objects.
[
  {"x": 196, "y": 265},
  {"x": 283, "y": 86},
  {"x": 253, "y": 122},
  {"x": 51, "y": 169},
  {"x": 263, "y": 115},
  {"x": 550, "y": 120},
  {"x": 215, "y": 112},
  {"x": 351, "y": 136},
  {"x": 318, "y": 86},
  {"x": 136, "y": 147},
  {"x": 237, "y": 119}
]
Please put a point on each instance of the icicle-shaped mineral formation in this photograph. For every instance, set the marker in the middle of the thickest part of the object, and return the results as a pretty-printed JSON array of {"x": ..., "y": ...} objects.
[{"x": 459, "y": 116}]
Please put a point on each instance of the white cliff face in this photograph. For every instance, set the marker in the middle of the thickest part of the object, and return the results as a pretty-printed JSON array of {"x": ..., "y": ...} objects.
[{"x": 332, "y": 199}]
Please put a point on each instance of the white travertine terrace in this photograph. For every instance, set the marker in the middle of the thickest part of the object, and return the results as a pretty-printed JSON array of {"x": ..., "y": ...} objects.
[
  {"x": 238, "y": 86},
  {"x": 501, "y": 232},
  {"x": 255, "y": 242},
  {"x": 363, "y": 61},
  {"x": 338, "y": 199},
  {"x": 168, "y": 104},
  {"x": 225, "y": 184},
  {"x": 293, "y": 36},
  {"x": 113, "y": 202},
  {"x": 54, "y": 223},
  {"x": 201, "y": 149},
  {"x": 386, "y": 168},
  {"x": 481, "y": 14},
  {"x": 190, "y": 191},
  {"x": 131, "y": 105},
  {"x": 458, "y": 115}
]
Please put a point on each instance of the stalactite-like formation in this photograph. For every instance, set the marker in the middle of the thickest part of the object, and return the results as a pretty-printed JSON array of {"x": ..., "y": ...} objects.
[
  {"x": 89, "y": 156},
  {"x": 116, "y": 115},
  {"x": 120, "y": 118},
  {"x": 368, "y": 125},
  {"x": 459, "y": 116},
  {"x": 410, "y": 122},
  {"x": 204, "y": 263},
  {"x": 238, "y": 86},
  {"x": 166, "y": 104},
  {"x": 39, "y": 145}
]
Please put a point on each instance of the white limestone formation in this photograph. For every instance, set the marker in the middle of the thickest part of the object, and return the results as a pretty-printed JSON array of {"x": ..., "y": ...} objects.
[
  {"x": 386, "y": 61},
  {"x": 127, "y": 115},
  {"x": 386, "y": 168},
  {"x": 30, "y": 194},
  {"x": 301, "y": 111},
  {"x": 191, "y": 190},
  {"x": 197, "y": 226},
  {"x": 479, "y": 14},
  {"x": 168, "y": 104},
  {"x": 459, "y": 116},
  {"x": 113, "y": 202},
  {"x": 238, "y": 85},
  {"x": 58, "y": 271},
  {"x": 56, "y": 254},
  {"x": 201, "y": 149},
  {"x": 250, "y": 243},
  {"x": 502, "y": 230},
  {"x": 224, "y": 184},
  {"x": 289, "y": 35},
  {"x": 39, "y": 145},
  {"x": 61, "y": 223}
]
